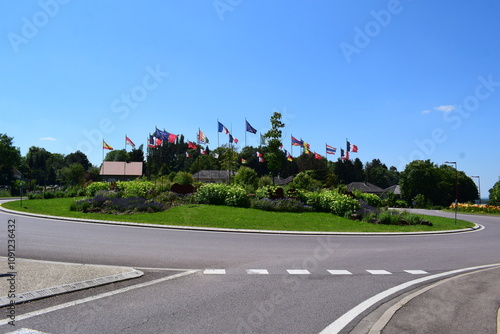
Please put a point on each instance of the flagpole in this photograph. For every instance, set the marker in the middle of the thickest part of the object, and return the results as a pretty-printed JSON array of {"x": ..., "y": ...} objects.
[
  {"x": 246, "y": 134},
  {"x": 218, "y": 133}
]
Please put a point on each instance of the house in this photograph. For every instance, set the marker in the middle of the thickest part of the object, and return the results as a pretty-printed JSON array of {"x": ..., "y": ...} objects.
[
  {"x": 112, "y": 171},
  {"x": 365, "y": 187},
  {"x": 395, "y": 189},
  {"x": 213, "y": 176}
]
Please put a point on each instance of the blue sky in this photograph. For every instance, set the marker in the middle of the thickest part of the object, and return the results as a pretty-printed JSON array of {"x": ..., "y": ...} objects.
[{"x": 402, "y": 80}]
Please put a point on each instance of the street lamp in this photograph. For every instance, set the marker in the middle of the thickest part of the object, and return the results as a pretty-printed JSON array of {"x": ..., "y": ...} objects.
[
  {"x": 479, "y": 183},
  {"x": 456, "y": 187}
]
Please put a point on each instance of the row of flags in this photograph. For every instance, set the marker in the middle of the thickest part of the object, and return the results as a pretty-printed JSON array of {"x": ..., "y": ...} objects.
[{"x": 160, "y": 136}]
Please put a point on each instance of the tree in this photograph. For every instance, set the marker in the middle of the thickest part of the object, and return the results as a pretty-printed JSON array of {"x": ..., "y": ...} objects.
[
  {"x": 78, "y": 157},
  {"x": 137, "y": 154},
  {"x": 39, "y": 169},
  {"x": 274, "y": 157},
  {"x": 495, "y": 194},
  {"x": 247, "y": 177},
  {"x": 377, "y": 173},
  {"x": 117, "y": 155},
  {"x": 10, "y": 158},
  {"x": 74, "y": 174}
]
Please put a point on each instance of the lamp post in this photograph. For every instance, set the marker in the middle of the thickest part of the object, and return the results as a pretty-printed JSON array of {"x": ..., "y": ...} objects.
[
  {"x": 479, "y": 186},
  {"x": 456, "y": 187}
]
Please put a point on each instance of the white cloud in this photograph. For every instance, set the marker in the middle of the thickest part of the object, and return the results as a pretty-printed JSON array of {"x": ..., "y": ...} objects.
[
  {"x": 426, "y": 111},
  {"x": 48, "y": 138},
  {"x": 445, "y": 108}
]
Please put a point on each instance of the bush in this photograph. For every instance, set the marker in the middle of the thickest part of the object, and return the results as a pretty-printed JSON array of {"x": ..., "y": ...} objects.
[
  {"x": 389, "y": 218},
  {"x": 113, "y": 205},
  {"x": 333, "y": 202},
  {"x": 142, "y": 189},
  {"x": 266, "y": 191},
  {"x": 183, "y": 178},
  {"x": 94, "y": 187},
  {"x": 265, "y": 181},
  {"x": 49, "y": 194},
  {"x": 371, "y": 199},
  {"x": 221, "y": 194},
  {"x": 281, "y": 205},
  {"x": 246, "y": 177},
  {"x": 304, "y": 181}
]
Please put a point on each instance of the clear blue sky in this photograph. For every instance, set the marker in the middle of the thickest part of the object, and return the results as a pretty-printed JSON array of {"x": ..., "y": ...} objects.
[{"x": 402, "y": 80}]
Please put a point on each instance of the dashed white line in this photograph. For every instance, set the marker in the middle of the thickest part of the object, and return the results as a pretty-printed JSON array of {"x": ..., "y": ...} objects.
[
  {"x": 340, "y": 272},
  {"x": 257, "y": 272},
  {"x": 214, "y": 271},
  {"x": 298, "y": 272},
  {"x": 416, "y": 272},
  {"x": 379, "y": 272}
]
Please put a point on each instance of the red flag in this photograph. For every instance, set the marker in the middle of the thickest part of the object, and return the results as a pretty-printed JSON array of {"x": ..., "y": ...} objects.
[
  {"x": 106, "y": 146},
  {"x": 202, "y": 151},
  {"x": 188, "y": 155},
  {"x": 192, "y": 145},
  {"x": 129, "y": 142},
  {"x": 317, "y": 156}
]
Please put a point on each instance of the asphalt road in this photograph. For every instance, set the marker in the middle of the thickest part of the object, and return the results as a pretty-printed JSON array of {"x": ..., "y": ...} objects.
[{"x": 232, "y": 298}]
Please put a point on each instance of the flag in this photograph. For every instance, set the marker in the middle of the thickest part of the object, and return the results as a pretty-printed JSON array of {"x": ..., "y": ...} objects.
[
  {"x": 202, "y": 151},
  {"x": 188, "y": 155},
  {"x": 261, "y": 159},
  {"x": 306, "y": 148},
  {"x": 250, "y": 128},
  {"x": 202, "y": 139},
  {"x": 192, "y": 145},
  {"x": 164, "y": 135},
  {"x": 243, "y": 161},
  {"x": 232, "y": 139},
  {"x": 296, "y": 142},
  {"x": 289, "y": 157},
  {"x": 129, "y": 142},
  {"x": 258, "y": 154},
  {"x": 344, "y": 155},
  {"x": 330, "y": 149},
  {"x": 151, "y": 142},
  {"x": 317, "y": 156},
  {"x": 106, "y": 146},
  {"x": 222, "y": 128},
  {"x": 263, "y": 140},
  {"x": 216, "y": 155},
  {"x": 351, "y": 148}
]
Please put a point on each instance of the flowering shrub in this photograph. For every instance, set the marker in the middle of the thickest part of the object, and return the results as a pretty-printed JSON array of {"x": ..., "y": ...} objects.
[
  {"x": 265, "y": 191},
  {"x": 371, "y": 199},
  {"x": 333, "y": 202},
  {"x": 222, "y": 194},
  {"x": 476, "y": 208},
  {"x": 281, "y": 205},
  {"x": 136, "y": 188},
  {"x": 103, "y": 204},
  {"x": 94, "y": 187}
]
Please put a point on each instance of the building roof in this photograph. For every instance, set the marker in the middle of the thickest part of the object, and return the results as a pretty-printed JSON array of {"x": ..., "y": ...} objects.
[
  {"x": 365, "y": 187},
  {"x": 215, "y": 175},
  {"x": 396, "y": 189},
  {"x": 121, "y": 168}
]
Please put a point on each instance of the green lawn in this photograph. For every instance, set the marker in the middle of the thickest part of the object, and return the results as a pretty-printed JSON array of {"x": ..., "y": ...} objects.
[{"x": 235, "y": 218}]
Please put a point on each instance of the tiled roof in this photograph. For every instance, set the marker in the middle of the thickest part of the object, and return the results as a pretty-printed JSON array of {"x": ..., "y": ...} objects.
[
  {"x": 365, "y": 187},
  {"x": 117, "y": 168}
]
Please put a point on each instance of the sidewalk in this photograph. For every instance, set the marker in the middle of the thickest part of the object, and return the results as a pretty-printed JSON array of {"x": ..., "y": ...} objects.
[
  {"x": 468, "y": 303},
  {"x": 38, "y": 279}
]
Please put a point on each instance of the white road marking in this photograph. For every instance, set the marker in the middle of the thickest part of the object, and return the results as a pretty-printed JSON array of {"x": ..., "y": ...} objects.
[
  {"x": 257, "y": 272},
  {"x": 89, "y": 299},
  {"x": 340, "y": 272},
  {"x": 339, "y": 324},
  {"x": 379, "y": 272},
  {"x": 26, "y": 331},
  {"x": 298, "y": 272},
  {"x": 214, "y": 271},
  {"x": 416, "y": 272}
]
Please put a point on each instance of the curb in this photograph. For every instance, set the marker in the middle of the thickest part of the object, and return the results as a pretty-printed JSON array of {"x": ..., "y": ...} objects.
[
  {"x": 71, "y": 287},
  {"x": 477, "y": 227}
]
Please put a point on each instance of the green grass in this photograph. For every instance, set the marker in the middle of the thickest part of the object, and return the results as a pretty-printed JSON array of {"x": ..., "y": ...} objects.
[{"x": 235, "y": 218}]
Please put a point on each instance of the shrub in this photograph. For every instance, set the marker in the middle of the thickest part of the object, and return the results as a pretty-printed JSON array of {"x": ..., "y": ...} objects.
[
  {"x": 94, "y": 187},
  {"x": 371, "y": 199},
  {"x": 389, "y": 218},
  {"x": 142, "y": 189},
  {"x": 333, "y": 202},
  {"x": 49, "y": 194},
  {"x": 265, "y": 181},
  {"x": 246, "y": 177},
  {"x": 103, "y": 204},
  {"x": 281, "y": 205},
  {"x": 305, "y": 182},
  {"x": 265, "y": 191},
  {"x": 183, "y": 178},
  {"x": 221, "y": 194}
]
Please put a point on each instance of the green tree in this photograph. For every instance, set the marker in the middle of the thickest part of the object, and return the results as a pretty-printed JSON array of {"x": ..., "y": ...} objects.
[
  {"x": 274, "y": 156},
  {"x": 183, "y": 178},
  {"x": 74, "y": 174},
  {"x": 247, "y": 178},
  {"x": 495, "y": 194},
  {"x": 137, "y": 154},
  {"x": 117, "y": 155},
  {"x": 10, "y": 158},
  {"x": 78, "y": 157}
]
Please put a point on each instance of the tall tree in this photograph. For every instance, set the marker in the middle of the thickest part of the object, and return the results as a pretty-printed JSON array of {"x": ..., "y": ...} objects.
[
  {"x": 274, "y": 157},
  {"x": 10, "y": 158},
  {"x": 78, "y": 157},
  {"x": 495, "y": 194}
]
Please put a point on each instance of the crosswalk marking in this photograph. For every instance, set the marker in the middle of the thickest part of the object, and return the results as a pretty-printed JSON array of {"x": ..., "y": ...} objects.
[
  {"x": 214, "y": 271},
  {"x": 257, "y": 272},
  {"x": 379, "y": 272},
  {"x": 416, "y": 272},
  {"x": 298, "y": 272},
  {"x": 340, "y": 272}
]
